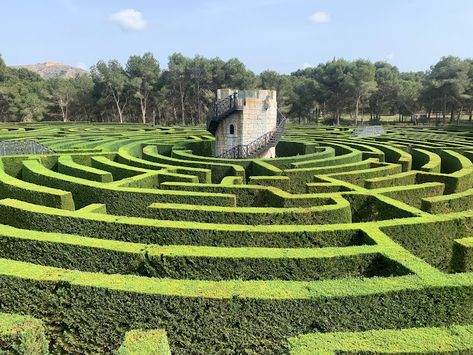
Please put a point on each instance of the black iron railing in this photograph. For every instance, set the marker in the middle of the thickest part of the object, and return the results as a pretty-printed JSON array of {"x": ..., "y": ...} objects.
[
  {"x": 259, "y": 145},
  {"x": 221, "y": 109}
]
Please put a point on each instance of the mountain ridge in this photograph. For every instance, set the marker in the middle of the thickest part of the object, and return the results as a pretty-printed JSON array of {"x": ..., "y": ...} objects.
[{"x": 49, "y": 70}]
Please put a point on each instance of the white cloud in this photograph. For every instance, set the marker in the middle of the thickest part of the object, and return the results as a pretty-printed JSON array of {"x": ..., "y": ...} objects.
[
  {"x": 306, "y": 65},
  {"x": 129, "y": 20},
  {"x": 320, "y": 17},
  {"x": 390, "y": 56}
]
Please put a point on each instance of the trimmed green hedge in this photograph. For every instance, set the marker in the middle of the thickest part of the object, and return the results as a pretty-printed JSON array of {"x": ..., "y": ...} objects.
[
  {"x": 125, "y": 200},
  {"x": 246, "y": 195},
  {"x": 145, "y": 342},
  {"x": 462, "y": 258},
  {"x": 458, "y": 181},
  {"x": 280, "y": 182},
  {"x": 366, "y": 208},
  {"x": 118, "y": 170},
  {"x": 66, "y": 165},
  {"x": 260, "y": 167},
  {"x": 360, "y": 176},
  {"x": 219, "y": 170},
  {"x": 300, "y": 176},
  {"x": 344, "y": 155},
  {"x": 337, "y": 235},
  {"x": 333, "y": 210},
  {"x": 132, "y": 229},
  {"x": 96, "y": 310},
  {"x": 413, "y": 195},
  {"x": 431, "y": 239},
  {"x": 425, "y": 160},
  {"x": 395, "y": 155},
  {"x": 453, "y": 161},
  {"x": 130, "y": 154},
  {"x": 198, "y": 263},
  {"x": 11, "y": 187},
  {"x": 22, "y": 335},
  {"x": 405, "y": 178},
  {"x": 447, "y": 340},
  {"x": 456, "y": 202}
]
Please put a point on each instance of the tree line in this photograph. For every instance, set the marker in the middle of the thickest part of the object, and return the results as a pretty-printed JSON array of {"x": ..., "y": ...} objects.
[{"x": 332, "y": 92}]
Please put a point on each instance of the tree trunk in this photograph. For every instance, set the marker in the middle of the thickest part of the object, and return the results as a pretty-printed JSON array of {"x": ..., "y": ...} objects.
[
  {"x": 120, "y": 115},
  {"x": 198, "y": 102},
  {"x": 357, "y": 108},
  {"x": 119, "y": 110},
  {"x": 63, "y": 113},
  {"x": 116, "y": 98},
  {"x": 143, "y": 110},
  {"x": 444, "y": 108},
  {"x": 183, "y": 120},
  {"x": 459, "y": 114}
]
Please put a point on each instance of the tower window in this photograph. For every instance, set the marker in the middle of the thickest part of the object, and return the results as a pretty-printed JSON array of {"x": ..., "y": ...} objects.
[{"x": 232, "y": 129}]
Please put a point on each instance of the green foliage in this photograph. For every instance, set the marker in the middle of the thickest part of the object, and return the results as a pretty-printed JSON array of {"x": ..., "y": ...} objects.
[
  {"x": 22, "y": 335},
  {"x": 448, "y": 81},
  {"x": 454, "y": 339},
  {"x": 132, "y": 234},
  {"x": 333, "y": 92},
  {"x": 145, "y": 342}
]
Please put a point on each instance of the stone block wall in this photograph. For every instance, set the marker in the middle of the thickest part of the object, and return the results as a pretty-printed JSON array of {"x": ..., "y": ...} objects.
[
  {"x": 225, "y": 140},
  {"x": 259, "y": 116}
]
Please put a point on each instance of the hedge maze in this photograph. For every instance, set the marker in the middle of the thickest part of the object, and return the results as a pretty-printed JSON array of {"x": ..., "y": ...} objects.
[{"x": 135, "y": 240}]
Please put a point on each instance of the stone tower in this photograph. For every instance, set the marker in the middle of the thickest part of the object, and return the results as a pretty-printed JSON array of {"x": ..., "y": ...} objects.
[{"x": 245, "y": 123}]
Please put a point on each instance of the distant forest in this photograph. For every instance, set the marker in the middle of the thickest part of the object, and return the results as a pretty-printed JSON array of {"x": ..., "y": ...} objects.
[{"x": 333, "y": 92}]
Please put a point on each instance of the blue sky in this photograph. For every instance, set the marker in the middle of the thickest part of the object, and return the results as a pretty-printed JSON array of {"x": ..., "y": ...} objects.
[{"x": 283, "y": 35}]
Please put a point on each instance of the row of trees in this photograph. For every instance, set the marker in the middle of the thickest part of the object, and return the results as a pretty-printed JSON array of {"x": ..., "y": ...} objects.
[
  {"x": 140, "y": 91},
  {"x": 379, "y": 89}
]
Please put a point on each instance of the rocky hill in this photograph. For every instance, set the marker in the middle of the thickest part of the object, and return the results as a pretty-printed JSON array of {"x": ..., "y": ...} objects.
[{"x": 52, "y": 69}]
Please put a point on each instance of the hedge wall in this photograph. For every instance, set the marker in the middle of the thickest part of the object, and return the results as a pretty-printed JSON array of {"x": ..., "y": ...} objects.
[
  {"x": 22, "y": 335},
  {"x": 132, "y": 229},
  {"x": 94, "y": 319},
  {"x": 128, "y": 201},
  {"x": 145, "y": 342},
  {"x": 333, "y": 211},
  {"x": 440, "y": 340}
]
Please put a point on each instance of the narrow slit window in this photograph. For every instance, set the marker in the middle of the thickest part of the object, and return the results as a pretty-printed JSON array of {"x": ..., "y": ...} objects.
[{"x": 232, "y": 129}]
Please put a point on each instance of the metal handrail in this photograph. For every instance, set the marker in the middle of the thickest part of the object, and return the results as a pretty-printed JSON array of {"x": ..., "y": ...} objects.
[
  {"x": 252, "y": 149},
  {"x": 224, "y": 107}
]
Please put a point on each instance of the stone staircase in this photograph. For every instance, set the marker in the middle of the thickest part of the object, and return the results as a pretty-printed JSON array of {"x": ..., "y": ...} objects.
[
  {"x": 221, "y": 109},
  {"x": 259, "y": 145}
]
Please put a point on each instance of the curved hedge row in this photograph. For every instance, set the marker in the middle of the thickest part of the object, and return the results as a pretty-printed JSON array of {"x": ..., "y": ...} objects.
[{"x": 134, "y": 240}]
